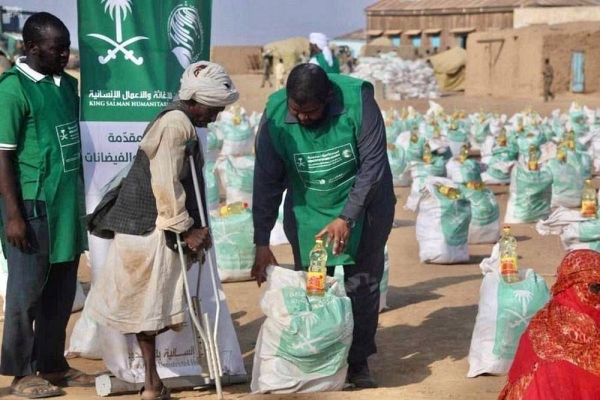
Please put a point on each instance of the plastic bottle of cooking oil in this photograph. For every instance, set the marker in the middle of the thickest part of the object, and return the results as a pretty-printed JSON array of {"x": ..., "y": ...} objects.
[
  {"x": 508, "y": 256},
  {"x": 464, "y": 152},
  {"x": 233, "y": 208},
  {"x": 533, "y": 163},
  {"x": 561, "y": 152},
  {"x": 317, "y": 270},
  {"x": 449, "y": 192},
  {"x": 588, "y": 200},
  {"x": 414, "y": 136},
  {"x": 427, "y": 152},
  {"x": 501, "y": 139}
]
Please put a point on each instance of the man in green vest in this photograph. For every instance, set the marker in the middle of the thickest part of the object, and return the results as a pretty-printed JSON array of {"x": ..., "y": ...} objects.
[
  {"x": 323, "y": 139},
  {"x": 41, "y": 208},
  {"x": 321, "y": 54}
]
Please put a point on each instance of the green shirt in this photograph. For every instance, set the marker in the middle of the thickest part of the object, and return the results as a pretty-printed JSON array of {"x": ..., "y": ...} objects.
[{"x": 18, "y": 134}]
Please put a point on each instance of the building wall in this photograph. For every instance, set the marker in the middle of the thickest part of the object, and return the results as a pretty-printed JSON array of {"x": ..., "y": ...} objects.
[
  {"x": 480, "y": 21},
  {"x": 504, "y": 64},
  {"x": 510, "y": 63},
  {"x": 532, "y": 16},
  {"x": 558, "y": 48},
  {"x": 237, "y": 59}
]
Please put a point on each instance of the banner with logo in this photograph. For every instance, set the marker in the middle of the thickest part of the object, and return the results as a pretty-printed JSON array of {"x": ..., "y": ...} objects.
[{"x": 132, "y": 55}]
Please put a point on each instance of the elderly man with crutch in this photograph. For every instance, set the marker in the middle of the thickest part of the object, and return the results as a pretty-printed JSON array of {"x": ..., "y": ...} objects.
[{"x": 158, "y": 217}]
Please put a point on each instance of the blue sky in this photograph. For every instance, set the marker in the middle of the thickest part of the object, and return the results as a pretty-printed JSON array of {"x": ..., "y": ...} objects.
[{"x": 246, "y": 22}]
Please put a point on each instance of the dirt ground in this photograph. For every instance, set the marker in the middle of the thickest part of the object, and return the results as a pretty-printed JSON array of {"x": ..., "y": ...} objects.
[{"x": 424, "y": 336}]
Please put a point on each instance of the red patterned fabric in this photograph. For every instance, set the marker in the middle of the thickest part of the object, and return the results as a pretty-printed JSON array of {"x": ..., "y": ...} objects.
[{"x": 559, "y": 353}]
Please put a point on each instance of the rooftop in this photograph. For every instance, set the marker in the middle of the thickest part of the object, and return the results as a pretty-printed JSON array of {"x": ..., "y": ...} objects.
[
  {"x": 446, "y": 6},
  {"x": 359, "y": 34}
]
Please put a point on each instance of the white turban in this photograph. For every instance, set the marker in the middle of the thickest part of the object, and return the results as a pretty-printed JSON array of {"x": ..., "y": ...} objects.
[
  {"x": 208, "y": 83},
  {"x": 322, "y": 43}
]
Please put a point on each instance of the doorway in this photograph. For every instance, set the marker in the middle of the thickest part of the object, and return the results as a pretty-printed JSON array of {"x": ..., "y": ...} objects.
[{"x": 577, "y": 74}]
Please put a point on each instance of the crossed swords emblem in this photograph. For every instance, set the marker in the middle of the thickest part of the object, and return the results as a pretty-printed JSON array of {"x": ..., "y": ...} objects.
[{"x": 119, "y": 48}]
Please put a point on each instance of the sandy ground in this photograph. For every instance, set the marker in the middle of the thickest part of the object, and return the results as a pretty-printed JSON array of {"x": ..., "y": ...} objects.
[{"x": 425, "y": 335}]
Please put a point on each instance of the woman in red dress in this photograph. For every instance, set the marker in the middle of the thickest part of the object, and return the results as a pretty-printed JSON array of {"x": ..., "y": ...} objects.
[{"x": 559, "y": 353}]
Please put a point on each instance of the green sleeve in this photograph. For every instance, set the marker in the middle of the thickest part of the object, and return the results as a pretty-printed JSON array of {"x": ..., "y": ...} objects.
[{"x": 13, "y": 112}]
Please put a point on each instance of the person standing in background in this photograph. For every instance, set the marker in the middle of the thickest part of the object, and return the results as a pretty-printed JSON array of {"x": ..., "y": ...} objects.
[
  {"x": 267, "y": 68},
  {"x": 279, "y": 72},
  {"x": 548, "y": 74},
  {"x": 321, "y": 54}
]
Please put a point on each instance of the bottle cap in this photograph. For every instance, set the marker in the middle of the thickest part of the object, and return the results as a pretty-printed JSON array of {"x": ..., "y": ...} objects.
[{"x": 319, "y": 240}]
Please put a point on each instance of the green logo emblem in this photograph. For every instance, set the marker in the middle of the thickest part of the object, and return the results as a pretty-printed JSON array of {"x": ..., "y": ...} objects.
[{"x": 185, "y": 33}]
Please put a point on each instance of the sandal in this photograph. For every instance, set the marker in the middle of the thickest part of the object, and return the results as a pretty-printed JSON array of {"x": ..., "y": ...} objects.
[
  {"x": 165, "y": 394},
  {"x": 34, "y": 387},
  {"x": 70, "y": 378}
]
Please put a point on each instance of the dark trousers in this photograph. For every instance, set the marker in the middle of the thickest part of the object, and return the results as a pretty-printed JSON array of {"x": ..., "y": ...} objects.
[
  {"x": 362, "y": 282},
  {"x": 37, "y": 292}
]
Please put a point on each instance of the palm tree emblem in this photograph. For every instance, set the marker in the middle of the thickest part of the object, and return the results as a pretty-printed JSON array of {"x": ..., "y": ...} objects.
[{"x": 118, "y": 10}]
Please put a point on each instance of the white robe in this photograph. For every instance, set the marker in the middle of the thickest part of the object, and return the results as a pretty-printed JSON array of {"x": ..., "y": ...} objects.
[{"x": 140, "y": 287}]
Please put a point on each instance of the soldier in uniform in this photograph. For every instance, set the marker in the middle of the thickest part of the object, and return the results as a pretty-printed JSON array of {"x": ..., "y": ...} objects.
[{"x": 548, "y": 74}]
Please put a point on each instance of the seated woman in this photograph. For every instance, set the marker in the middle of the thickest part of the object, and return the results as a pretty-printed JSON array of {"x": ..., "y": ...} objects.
[{"x": 559, "y": 353}]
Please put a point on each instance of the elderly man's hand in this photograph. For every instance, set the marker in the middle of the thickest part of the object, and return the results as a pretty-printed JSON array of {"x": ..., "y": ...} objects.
[
  {"x": 264, "y": 257},
  {"x": 197, "y": 239}
]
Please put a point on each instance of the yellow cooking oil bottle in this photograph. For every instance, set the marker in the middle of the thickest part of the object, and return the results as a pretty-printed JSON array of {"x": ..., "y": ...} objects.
[
  {"x": 588, "y": 200},
  {"x": 317, "y": 270},
  {"x": 427, "y": 155},
  {"x": 508, "y": 256}
]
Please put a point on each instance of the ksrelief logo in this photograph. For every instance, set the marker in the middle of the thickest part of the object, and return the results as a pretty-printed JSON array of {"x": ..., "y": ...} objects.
[
  {"x": 185, "y": 34},
  {"x": 118, "y": 10}
]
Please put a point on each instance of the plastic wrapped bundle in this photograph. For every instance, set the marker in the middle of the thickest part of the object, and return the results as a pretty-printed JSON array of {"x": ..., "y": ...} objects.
[
  {"x": 456, "y": 139},
  {"x": 576, "y": 232},
  {"x": 420, "y": 171},
  {"x": 238, "y": 140},
  {"x": 567, "y": 184},
  {"x": 582, "y": 162},
  {"x": 413, "y": 150},
  {"x": 237, "y": 176},
  {"x": 212, "y": 186},
  {"x": 485, "y": 215},
  {"x": 398, "y": 165},
  {"x": 403, "y": 79},
  {"x": 530, "y": 195},
  {"x": 233, "y": 237},
  {"x": 303, "y": 344},
  {"x": 505, "y": 310},
  {"x": 278, "y": 233},
  {"x": 442, "y": 225},
  {"x": 214, "y": 141},
  {"x": 500, "y": 164}
]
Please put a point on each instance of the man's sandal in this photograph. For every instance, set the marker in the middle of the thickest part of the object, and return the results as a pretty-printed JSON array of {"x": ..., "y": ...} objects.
[
  {"x": 165, "y": 394},
  {"x": 35, "y": 387},
  {"x": 70, "y": 378}
]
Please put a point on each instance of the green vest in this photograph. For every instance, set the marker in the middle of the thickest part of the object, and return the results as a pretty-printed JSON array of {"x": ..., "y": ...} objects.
[
  {"x": 333, "y": 69},
  {"x": 55, "y": 111},
  {"x": 321, "y": 163}
]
